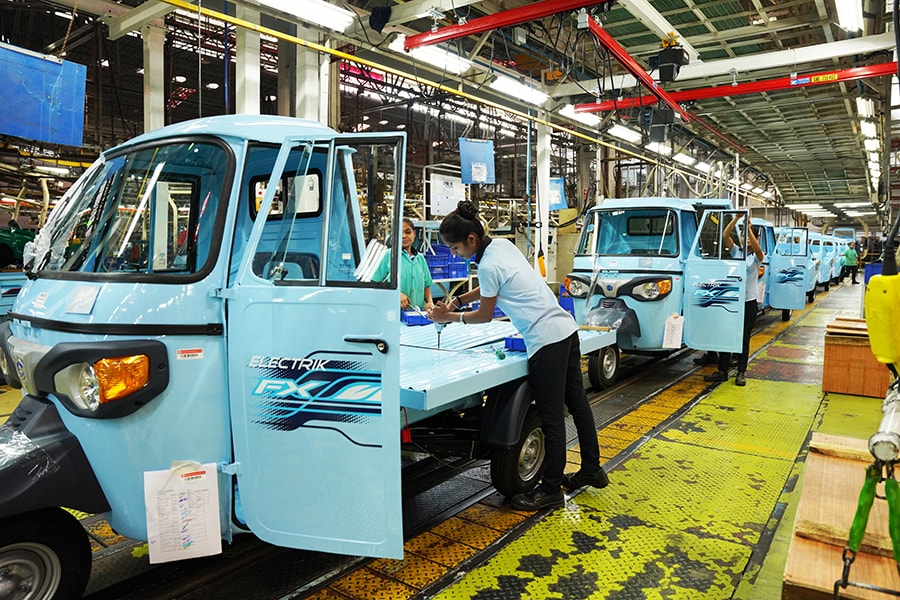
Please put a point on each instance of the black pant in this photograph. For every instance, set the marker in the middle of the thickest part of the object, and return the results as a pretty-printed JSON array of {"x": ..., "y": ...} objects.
[
  {"x": 750, "y": 309},
  {"x": 554, "y": 372}
]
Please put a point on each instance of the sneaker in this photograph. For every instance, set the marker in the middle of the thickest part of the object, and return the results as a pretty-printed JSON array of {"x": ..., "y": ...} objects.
[
  {"x": 581, "y": 479},
  {"x": 537, "y": 499},
  {"x": 716, "y": 376},
  {"x": 740, "y": 379},
  {"x": 854, "y": 282}
]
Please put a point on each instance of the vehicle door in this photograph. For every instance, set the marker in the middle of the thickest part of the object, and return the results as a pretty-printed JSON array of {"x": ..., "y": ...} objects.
[
  {"x": 313, "y": 348},
  {"x": 715, "y": 279},
  {"x": 787, "y": 279}
]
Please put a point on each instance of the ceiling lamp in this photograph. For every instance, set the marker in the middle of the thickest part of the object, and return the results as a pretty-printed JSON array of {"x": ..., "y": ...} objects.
[
  {"x": 514, "y": 89},
  {"x": 868, "y": 129},
  {"x": 685, "y": 159},
  {"x": 659, "y": 148},
  {"x": 53, "y": 170},
  {"x": 589, "y": 119},
  {"x": 625, "y": 133},
  {"x": 850, "y": 14},
  {"x": 871, "y": 145},
  {"x": 434, "y": 56},
  {"x": 865, "y": 107},
  {"x": 316, "y": 12},
  {"x": 702, "y": 166}
]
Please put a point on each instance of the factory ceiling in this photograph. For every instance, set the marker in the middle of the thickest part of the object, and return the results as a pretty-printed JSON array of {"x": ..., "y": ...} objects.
[{"x": 770, "y": 87}]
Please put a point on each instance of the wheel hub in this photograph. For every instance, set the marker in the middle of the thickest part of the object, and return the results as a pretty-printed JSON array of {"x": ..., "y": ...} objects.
[{"x": 28, "y": 572}]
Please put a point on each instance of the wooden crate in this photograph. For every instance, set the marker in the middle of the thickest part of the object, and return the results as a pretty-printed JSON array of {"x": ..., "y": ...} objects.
[
  {"x": 850, "y": 367},
  {"x": 835, "y": 471}
]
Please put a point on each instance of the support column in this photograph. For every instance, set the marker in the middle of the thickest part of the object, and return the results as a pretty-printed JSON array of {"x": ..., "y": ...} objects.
[
  {"x": 312, "y": 79},
  {"x": 542, "y": 210},
  {"x": 246, "y": 75},
  {"x": 155, "y": 83},
  {"x": 287, "y": 76}
]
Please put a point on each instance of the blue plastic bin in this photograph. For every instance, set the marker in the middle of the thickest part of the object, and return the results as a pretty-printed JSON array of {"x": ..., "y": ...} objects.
[
  {"x": 411, "y": 317},
  {"x": 515, "y": 343}
]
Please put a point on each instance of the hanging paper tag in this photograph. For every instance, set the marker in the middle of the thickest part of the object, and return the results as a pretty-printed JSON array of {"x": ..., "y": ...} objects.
[
  {"x": 673, "y": 331},
  {"x": 182, "y": 512}
]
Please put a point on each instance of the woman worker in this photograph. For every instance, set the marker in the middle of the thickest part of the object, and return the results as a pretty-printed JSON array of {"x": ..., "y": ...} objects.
[
  {"x": 415, "y": 278},
  {"x": 551, "y": 339},
  {"x": 751, "y": 307}
]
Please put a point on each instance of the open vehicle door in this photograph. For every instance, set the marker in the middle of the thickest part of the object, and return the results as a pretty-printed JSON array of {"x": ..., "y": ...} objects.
[
  {"x": 313, "y": 347},
  {"x": 788, "y": 270},
  {"x": 715, "y": 279}
]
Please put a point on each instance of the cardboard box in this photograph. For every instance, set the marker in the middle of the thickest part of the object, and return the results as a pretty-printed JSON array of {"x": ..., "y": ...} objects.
[{"x": 850, "y": 367}]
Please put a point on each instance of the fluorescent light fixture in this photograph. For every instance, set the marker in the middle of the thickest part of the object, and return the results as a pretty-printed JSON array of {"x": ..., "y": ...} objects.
[
  {"x": 865, "y": 107},
  {"x": 850, "y": 14},
  {"x": 868, "y": 129},
  {"x": 871, "y": 145},
  {"x": 685, "y": 159},
  {"x": 625, "y": 133},
  {"x": 767, "y": 194},
  {"x": 434, "y": 56},
  {"x": 511, "y": 87},
  {"x": 507, "y": 132},
  {"x": 866, "y": 213},
  {"x": 799, "y": 206},
  {"x": 401, "y": 126},
  {"x": 316, "y": 12},
  {"x": 212, "y": 85},
  {"x": 851, "y": 204},
  {"x": 757, "y": 190},
  {"x": 702, "y": 166},
  {"x": 589, "y": 119},
  {"x": 874, "y": 157},
  {"x": 746, "y": 186},
  {"x": 53, "y": 170},
  {"x": 659, "y": 148}
]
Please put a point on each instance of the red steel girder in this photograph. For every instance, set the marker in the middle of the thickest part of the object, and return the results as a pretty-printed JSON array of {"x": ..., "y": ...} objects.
[
  {"x": 507, "y": 18},
  {"x": 632, "y": 66},
  {"x": 753, "y": 87}
]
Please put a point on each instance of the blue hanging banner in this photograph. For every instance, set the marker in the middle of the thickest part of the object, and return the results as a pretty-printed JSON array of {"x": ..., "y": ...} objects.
[
  {"x": 476, "y": 158},
  {"x": 558, "y": 193},
  {"x": 43, "y": 97}
]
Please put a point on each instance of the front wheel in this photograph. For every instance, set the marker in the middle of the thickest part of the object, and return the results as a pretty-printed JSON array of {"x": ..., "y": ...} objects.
[
  {"x": 603, "y": 368},
  {"x": 786, "y": 314},
  {"x": 44, "y": 555},
  {"x": 519, "y": 468},
  {"x": 811, "y": 295}
]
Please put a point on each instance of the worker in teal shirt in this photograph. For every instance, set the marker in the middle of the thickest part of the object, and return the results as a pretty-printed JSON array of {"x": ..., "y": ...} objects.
[{"x": 415, "y": 278}]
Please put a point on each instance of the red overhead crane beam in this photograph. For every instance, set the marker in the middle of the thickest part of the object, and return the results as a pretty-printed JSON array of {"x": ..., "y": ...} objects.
[
  {"x": 507, "y": 18},
  {"x": 753, "y": 87}
]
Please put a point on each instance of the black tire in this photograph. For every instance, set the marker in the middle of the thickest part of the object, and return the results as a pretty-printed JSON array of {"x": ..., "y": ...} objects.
[
  {"x": 518, "y": 469},
  {"x": 827, "y": 285},
  {"x": 786, "y": 314},
  {"x": 811, "y": 296},
  {"x": 46, "y": 552},
  {"x": 603, "y": 367}
]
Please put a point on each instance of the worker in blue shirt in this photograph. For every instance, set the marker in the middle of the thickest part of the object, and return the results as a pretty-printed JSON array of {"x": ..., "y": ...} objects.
[{"x": 551, "y": 341}]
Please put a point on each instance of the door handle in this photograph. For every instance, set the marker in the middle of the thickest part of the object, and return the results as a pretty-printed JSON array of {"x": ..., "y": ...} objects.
[{"x": 379, "y": 343}]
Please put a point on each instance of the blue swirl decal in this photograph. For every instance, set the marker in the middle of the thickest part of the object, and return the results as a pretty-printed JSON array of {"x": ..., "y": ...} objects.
[
  {"x": 338, "y": 391},
  {"x": 793, "y": 275},
  {"x": 716, "y": 293}
]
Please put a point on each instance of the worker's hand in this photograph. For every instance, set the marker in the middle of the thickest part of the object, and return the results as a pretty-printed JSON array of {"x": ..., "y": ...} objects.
[
  {"x": 404, "y": 301},
  {"x": 440, "y": 313},
  {"x": 429, "y": 306}
]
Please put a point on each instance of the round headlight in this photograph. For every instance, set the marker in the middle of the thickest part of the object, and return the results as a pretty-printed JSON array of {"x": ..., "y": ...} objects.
[
  {"x": 576, "y": 288},
  {"x": 79, "y": 382},
  {"x": 649, "y": 290}
]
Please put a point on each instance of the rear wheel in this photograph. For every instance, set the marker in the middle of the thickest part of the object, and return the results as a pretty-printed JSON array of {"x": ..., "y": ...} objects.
[
  {"x": 519, "y": 468},
  {"x": 811, "y": 295},
  {"x": 786, "y": 314},
  {"x": 603, "y": 367},
  {"x": 44, "y": 555}
]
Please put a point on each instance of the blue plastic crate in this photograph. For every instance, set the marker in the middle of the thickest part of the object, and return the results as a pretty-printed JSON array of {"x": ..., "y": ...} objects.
[
  {"x": 443, "y": 265},
  {"x": 411, "y": 317},
  {"x": 515, "y": 343},
  {"x": 497, "y": 312}
]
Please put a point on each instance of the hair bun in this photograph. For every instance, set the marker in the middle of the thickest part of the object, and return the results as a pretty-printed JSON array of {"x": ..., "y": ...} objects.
[{"x": 466, "y": 208}]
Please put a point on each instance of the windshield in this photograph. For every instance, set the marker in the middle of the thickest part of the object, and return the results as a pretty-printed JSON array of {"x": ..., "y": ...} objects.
[
  {"x": 651, "y": 231},
  {"x": 148, "y": 211}
]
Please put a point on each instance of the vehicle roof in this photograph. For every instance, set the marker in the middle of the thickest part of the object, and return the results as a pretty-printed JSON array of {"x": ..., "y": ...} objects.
[
  {"x": 759, "y": 221},
  {"x": 263, "y": 128},
  {"x": 683, "y": 204}
]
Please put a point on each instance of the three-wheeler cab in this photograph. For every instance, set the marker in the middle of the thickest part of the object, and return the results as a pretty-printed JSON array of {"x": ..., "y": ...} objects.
[
  {"x": 779, "y": 288},
  {"x": 630, "y": 270},
  {"x": 202, "y": 351},
  {"x": 823, "y": 247},
  {"x": 803, "y": 267}
]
